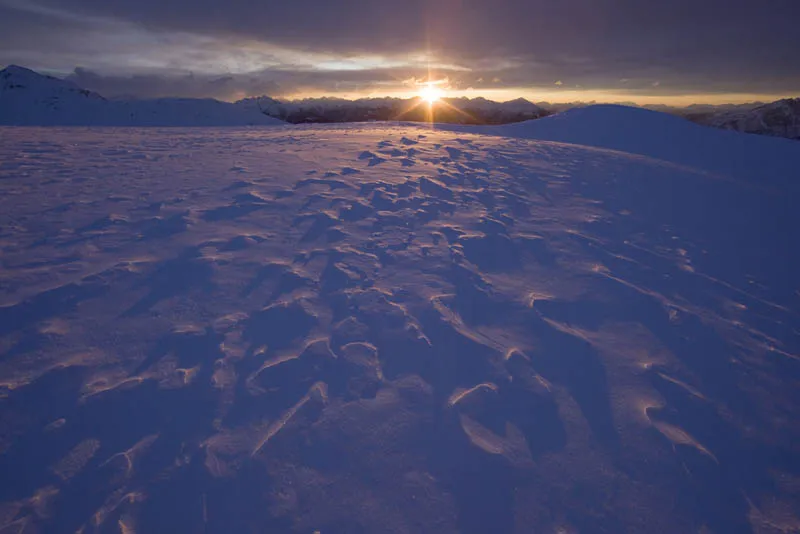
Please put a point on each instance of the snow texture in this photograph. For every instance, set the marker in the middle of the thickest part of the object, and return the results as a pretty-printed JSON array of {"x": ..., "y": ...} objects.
[
  {"x": 662, "y": 136},
  {"x": 397, "y": 329}
]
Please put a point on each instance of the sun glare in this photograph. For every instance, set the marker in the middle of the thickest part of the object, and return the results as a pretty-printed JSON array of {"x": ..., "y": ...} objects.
[{"x": 430, "y": 93}]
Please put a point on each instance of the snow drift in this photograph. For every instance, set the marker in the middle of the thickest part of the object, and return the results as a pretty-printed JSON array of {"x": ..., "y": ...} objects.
[{"x": 663, "y": 136}]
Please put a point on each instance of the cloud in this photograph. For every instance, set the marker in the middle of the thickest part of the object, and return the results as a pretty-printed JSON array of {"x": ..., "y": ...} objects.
[
  {"x": 189, "y": 85},
  {"x": 226, "y": 47},
  {"x": 475, "y": 28},
  {"x": 276, "y": 82}
]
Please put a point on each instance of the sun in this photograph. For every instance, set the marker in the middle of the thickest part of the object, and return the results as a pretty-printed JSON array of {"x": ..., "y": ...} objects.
[{"x": 430, "y": 93}]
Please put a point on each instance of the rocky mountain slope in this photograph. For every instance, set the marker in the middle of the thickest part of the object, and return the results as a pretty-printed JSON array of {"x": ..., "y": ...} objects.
[{"x": 777, "y": 119}]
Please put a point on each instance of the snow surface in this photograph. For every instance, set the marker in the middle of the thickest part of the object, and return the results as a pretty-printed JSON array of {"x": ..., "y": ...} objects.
[
  {"x": 663, "y": 136},
  {"x": 389, "y": 328},
  {"x": 31, "y": 99}
]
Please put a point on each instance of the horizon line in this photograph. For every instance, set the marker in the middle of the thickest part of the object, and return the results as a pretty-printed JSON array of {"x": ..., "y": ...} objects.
[{"x": 533, "y": 94}]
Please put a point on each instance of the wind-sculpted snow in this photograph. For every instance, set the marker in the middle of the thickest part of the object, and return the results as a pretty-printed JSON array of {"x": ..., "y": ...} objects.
[{"x": 375, "y": 329}]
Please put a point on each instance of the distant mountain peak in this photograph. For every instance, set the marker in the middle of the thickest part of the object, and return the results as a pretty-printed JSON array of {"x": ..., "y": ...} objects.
[
  {"x": 10, "y": 69},
  {"x": 778, "y": 119},
  {"x": 16, "y": 70},
  {"x": 24, "y": 75},
  {"x": 14, "y": 77}
]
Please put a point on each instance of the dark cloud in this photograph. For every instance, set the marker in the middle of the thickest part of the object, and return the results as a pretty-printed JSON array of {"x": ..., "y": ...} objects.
[
  {"x": 711, "y": 46},
  {"x": 471, "y": 28},
  {"x": 230, "y": 87}
]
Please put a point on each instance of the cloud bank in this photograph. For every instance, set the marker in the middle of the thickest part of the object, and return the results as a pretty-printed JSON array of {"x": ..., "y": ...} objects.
[{"x": 234, "y": 48}]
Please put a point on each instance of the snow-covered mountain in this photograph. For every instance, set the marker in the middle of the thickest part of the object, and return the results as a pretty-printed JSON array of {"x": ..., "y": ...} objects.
[
  {"x": 29, "y": 98},
  {"x": 187, "y": 112},
  {"x": 449, "y": 110},
  {"x": 778, "y": 119}
]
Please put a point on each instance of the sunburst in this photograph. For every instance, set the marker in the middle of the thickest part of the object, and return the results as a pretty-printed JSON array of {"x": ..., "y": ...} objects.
[{"x": 430, "y": 93}]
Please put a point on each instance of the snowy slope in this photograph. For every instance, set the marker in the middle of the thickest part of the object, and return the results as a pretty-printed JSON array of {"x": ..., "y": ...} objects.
[
  {"x": 185, "y": 112},
  {"x": 663, "y": 136},
  {"x": 393, "y": 329},
  {"x": 28, "y": 98}
]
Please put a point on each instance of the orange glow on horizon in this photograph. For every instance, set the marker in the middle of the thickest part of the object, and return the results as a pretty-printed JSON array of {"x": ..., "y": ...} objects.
[{"x": 552, "y": 96}]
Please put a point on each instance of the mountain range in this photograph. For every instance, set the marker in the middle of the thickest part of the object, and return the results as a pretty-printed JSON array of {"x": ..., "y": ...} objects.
[
  {"x": 30, "y": 98},
  {"x": 447, "y": 110},
  {"x": 778, "y": 119}
]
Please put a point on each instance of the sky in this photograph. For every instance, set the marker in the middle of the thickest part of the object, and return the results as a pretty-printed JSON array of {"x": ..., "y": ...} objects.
[{"x": 675, "y": 52}]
